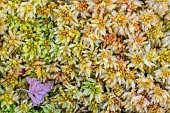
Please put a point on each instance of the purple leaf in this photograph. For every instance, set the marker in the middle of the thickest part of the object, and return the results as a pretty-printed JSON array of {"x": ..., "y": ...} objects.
[{"x": 37, "y": 91}]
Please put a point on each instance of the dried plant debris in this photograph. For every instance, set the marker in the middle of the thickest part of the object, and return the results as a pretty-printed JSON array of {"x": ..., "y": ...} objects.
[
  {"x": 74, "y": 56},
  {"x": 37, "y": 91}
]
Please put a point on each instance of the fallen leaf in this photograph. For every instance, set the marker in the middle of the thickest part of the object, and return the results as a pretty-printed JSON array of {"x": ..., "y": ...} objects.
[{"x": 37, "y": 91}]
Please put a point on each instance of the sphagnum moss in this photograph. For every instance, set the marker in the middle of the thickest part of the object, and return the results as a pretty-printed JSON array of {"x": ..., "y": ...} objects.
[{"x": 102, "y": 56}]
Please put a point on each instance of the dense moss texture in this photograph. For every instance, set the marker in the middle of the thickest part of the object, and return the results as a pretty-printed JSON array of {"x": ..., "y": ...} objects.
[{"x": 103, "y": 56}]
